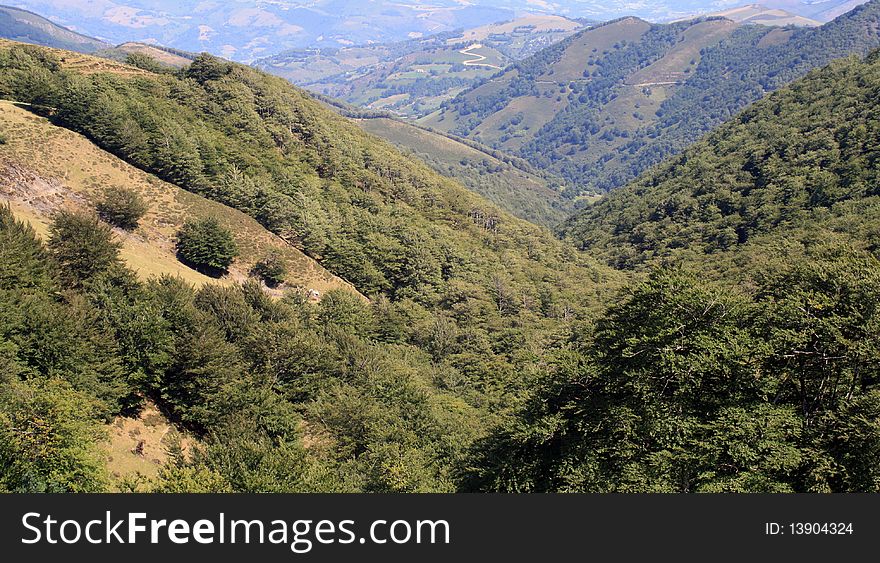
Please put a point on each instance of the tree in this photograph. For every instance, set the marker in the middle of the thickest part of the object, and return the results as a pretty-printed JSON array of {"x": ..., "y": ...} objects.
[
  {"x": 48, "y": 439},
  {"x": 207, "y": 246},
  {"x": 82, "y": 246},
  {"x": 271, "y": 269},
  {"x": 122, "y": 207},
  {"x": 23, "y": 258},
  {"x": 145, "y": 62}
]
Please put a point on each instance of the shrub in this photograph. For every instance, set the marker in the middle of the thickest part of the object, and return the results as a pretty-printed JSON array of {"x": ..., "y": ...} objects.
[
  {"x": 206, "y": 246},
  {"x": 82, "y": 246},
  {"x": 145, "y": 62},
  {"x": 271, "y": 269},
  {"x": 122, "y": 207}
]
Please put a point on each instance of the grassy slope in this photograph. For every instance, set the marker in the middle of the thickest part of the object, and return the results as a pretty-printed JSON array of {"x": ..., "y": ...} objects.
[
  {"x": 163, "y": 56},
  {"x": 156, "y": 435},
  {"x": 27, "y": 27},
  {"x": 582, "y": 54},
  {"x": 44, "y": 168},
  {"x": 526, "y": 195}
]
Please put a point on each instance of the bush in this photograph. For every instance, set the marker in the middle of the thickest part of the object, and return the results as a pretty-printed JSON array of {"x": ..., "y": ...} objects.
[
  {"x": 145, "y": 62},
  {"x": 82, "y": 246},
  {"x": 206, "y": 246},
  {"x": 271, "y": 269},
  {"x": 122, "y": 207}
]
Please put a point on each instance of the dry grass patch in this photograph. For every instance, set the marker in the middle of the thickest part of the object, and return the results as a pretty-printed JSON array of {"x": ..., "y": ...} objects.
[{"x": 44, "y": 168}]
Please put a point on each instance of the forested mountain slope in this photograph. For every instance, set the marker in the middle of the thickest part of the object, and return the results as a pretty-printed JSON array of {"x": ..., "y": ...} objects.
[
  {"x": 467, "y": 302},
  {"x": 801, "y": 163},
  {"x": 749, "y": 359},
  {"x": 612, "y": 101},
  {"x": 516, "y": 186},
  {"x": 45, "y": 168}
]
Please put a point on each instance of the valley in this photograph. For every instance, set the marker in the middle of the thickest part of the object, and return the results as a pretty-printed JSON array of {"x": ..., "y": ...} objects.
[
  {"x": 414, "y": 77},
  {"x": 605, "y": 105},
  {"x": 547, "y": 255}
]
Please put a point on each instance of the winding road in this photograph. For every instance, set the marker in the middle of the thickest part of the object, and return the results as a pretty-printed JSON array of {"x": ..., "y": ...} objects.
[{"x": 478, "y": 61}]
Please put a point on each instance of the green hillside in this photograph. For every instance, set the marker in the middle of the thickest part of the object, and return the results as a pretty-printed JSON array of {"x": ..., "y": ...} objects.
[
  {"x": 479, "y": 353},
  {"x": 749, "y": 358},
  {"x": 799, "y": 164},
  {"x": 607, "y": 104},
  {"x": 514, "y": 188},
  {"x": 466, "y": 301},
  {"x": 28, "y": 27}
]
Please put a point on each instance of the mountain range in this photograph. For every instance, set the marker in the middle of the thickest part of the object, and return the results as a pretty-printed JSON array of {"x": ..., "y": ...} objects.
[
  {"x": 212, "y": 280},
  {"x": 250, "y": 29},
  {"x": 611, "y": 101},
  {"x": 414, "y": 77}
]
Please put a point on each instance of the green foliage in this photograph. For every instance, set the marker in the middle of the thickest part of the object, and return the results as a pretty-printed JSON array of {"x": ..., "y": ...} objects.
[
  {"x": 508, "y": 182},
  {"x": 207, "y": 246},
  {"x": 82, "y": 246},
  {"x": 60, "y": 374},
  {"x": 271, "y": 269},
  {"x": 24, "y": 258},
  {"x": 122, "y": 207},
  {"x": 145, "y": 62},
  {"x": 797, "y": 162},
  {"x": 688, "y": 386},
  {"x": 47, "y": 440}
]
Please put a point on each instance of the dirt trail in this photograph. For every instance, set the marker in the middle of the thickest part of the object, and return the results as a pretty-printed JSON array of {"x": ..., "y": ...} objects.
[{"x": 479, "y": 58}]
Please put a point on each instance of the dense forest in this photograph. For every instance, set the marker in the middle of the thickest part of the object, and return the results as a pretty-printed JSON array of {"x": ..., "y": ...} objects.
[
  {"x": 799, "y": 166},
  {"x": 749, "y": 358},
  {"x": 465, "y": 300},
  {"x": 728, "y": 343}
]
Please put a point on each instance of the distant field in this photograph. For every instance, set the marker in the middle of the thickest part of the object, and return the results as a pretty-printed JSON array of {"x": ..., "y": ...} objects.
[{"x": 412, "y": 78}]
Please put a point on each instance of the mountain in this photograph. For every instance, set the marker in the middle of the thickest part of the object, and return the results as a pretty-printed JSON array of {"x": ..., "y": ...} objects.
[
  {"x": 251, "y": 29},
  {"x": 762, "y": 15},
  {"x": 21, "y": 25},
  {"x": 27, "y": 27},
  {"x": 47, "y": 168},
  {"x": 824, "y": 10},
  {"x": 414, "y": 77},
  {"x": 479, "y": 352},
  {"x": 610, "y": 102},
  {"x": 247, "y": 30},
  {"x": 796, "y": 169},
  {"x": 465, "y": 302},
  {"x": 746, "y": 359}
]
